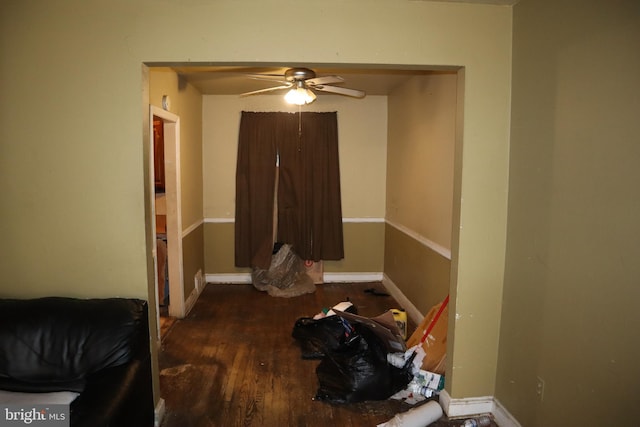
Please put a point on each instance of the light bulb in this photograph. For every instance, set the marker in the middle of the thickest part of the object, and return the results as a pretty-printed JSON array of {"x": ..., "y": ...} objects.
[{"x": 300, "y": 96}]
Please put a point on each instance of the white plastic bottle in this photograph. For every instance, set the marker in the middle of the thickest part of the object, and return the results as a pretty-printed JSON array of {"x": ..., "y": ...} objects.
[
  {"x": 483, "y": 421},
  {"x": 423, "y": 390}
]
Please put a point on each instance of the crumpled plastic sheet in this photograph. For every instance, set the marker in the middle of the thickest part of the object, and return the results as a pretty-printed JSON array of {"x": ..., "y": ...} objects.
[{"x": 286, "y": 276}]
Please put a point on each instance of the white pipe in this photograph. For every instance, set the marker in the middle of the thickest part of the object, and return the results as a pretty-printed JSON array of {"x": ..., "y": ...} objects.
[{"x": 420, "y": 416}]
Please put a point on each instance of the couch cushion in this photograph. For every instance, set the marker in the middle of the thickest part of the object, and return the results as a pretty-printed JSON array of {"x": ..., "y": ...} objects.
[{"x": 54, "y": 343}]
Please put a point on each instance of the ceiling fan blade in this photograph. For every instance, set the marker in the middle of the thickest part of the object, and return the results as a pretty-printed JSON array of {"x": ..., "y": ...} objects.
[
  {"x": 341, "y": 91},
  {"x": 269, "y": 89},
  {"x": 324, "y": 80},
  {"x": 268, "y": 77}
]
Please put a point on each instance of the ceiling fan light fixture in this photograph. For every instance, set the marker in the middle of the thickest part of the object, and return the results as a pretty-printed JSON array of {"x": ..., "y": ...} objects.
[
  {"x": 302, "y": 84},
  {"x": 300, "y": 95}
]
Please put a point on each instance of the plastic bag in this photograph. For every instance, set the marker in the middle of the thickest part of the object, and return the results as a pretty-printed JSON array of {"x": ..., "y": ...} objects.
[
  {"x": 319, "y": 337},
  {"x": 358, "y": 371},
  {"x": 286, "y": 276}
]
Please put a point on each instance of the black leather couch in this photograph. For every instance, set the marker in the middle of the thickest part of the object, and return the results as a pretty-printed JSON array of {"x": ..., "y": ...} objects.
[{"x": 98, "y": 348}]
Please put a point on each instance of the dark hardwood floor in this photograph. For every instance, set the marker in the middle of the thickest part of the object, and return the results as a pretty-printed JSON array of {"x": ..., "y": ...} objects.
[{"x": 232, "y": 361}]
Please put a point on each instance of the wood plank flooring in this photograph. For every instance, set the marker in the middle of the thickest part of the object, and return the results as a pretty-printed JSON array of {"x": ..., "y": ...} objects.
[{"x": 233, "y": 362}]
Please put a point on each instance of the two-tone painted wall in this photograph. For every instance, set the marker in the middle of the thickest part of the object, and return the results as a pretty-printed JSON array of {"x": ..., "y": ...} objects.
[
  {"x": 420, "y": 182},
  {"x": 362, "y": 128},
  {"x": 396, "y": 166},
  {"x": 73, "y": 142}
]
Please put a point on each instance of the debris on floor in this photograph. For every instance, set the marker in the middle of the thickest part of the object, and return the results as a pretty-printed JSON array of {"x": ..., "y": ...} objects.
[
  {"x": 431, "y": 335},
  {"x": 400, "y": 316},
  {"x": 346, "y": 306},
  {"x": 375, "y": 292},
  {"x": 323, "y": 333},
  {"x": 286, "y": 276},
  {"x": 353, "y": 351},
  {"x": 368, "y": 359},
  {"x": 427, "y": 353},
  {"x": 420, "y": 416}
]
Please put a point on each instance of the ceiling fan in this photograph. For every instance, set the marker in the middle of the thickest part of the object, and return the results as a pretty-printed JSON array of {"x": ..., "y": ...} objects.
[{"x": 302, "y": 82}]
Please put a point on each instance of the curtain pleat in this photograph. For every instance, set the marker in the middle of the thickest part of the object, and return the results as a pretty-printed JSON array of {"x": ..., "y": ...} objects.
[{"x": 255, "y": 179}]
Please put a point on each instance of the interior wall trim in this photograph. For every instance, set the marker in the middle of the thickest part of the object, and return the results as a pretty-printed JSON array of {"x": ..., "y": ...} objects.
[
  {"x": 220, "y": 220},
  {"x": 356, "y": 220},
  {"x": 467, "y": 406},
  {"x": 472, "y": 406},
  {"x": 503, "y": 417},
  {"x": 412, "y": 311},
  {"x": 191, "y": 228},
  {"x": 229, "y": 279},
  {"x": 351, "y": 277},
  {"x": 244, "y": 278},
  {"x": 426, "y": 242}
]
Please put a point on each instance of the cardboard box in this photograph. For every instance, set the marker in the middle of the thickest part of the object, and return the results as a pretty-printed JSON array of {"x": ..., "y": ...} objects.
[{"x": 435, "y": 346}]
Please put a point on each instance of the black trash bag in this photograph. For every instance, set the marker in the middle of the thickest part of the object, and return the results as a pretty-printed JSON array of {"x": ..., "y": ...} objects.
[
  {"x": 319, "y": 337},
  {"x": 358, "y": 371}
]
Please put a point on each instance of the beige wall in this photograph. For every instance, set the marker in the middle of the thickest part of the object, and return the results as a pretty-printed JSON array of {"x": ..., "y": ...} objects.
[
  {"x": 570, "y": 311},
  {"x": 219, "y": 249},
  {"x": 74, "y": 66},
  {"x": 422, "y": 274},
  {"x": 422, "y": 126},
  {"x": 363, "y": 246},
  {"x": 362, "y": 134},
  {"x": 193, "y": 250},
  {"x": 363, "y": 249},
  {"x": 420, "y": 177}
]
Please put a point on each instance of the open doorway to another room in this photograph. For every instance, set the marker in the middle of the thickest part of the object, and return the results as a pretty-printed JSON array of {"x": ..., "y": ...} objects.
[
  {"x": 162, "y": 267},
  {"x": 166, "y": 217}
]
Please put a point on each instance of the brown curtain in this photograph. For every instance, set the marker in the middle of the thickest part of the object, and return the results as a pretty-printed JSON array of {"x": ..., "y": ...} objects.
[{"x": 309, "y": 212}]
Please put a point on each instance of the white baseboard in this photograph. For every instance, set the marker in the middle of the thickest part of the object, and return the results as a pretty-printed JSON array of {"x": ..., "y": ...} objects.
[
  {"x": 230, "y": 279},
  {"x": 465, "y": 407},
  {"x": 472, "y": 406},
  {"x": 245, "y": 278},
  {"x": 412, "y": 311},
  {"x": 159, "y": 412},
  {"x": 351, "y": 277},
  {"x": 503, "y": 417}
]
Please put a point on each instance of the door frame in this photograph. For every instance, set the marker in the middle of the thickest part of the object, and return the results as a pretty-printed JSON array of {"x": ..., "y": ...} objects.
[{"x": 174, "y": 210}]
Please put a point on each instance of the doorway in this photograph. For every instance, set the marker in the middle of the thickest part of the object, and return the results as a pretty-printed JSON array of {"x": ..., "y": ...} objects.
[{"x": 166, "y": 215}]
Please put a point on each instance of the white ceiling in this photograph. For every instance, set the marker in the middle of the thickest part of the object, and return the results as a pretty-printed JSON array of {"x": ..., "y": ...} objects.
[{"x": 235, "y": 79}]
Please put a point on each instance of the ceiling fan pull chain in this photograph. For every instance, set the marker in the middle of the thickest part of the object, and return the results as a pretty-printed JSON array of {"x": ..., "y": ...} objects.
[{"x": 299, "y": 126}]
